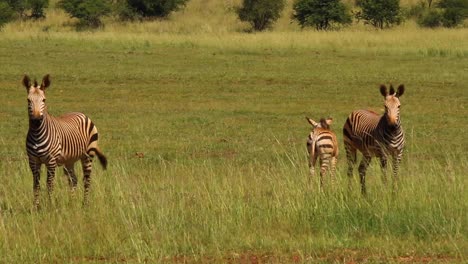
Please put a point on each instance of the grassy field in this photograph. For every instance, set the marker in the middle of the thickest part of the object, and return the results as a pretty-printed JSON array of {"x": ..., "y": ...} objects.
[{"x": 205, "y": 136}]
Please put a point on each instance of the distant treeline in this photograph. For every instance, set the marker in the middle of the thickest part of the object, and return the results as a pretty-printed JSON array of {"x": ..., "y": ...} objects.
[{"x": 260, "y": 14}]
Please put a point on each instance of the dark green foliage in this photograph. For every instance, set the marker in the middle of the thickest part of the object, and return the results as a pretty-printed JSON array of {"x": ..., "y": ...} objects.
[
  {"x": 320, "y": 13},
  {"x": 37, "y": 8},
  {"x": 430, "y": 18},
  {"x": 18, "y": 6},
  {"x": 261, "y": 14},
  {"x": 89, "y": 12},
  {"x": 22, "y": 8},
  {"x": 455, "y": 11},
  {"x": 131, "y": 9},
  {"x": 6, "y": 13},
  {"x": 379, "y": 13}
]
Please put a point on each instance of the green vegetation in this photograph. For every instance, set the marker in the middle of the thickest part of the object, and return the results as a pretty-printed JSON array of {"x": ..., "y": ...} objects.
[
  {"x": 205, "y": 134},
  {"x": 88, "y": 12},
  {"x": 260, "y": 14},
  {"x": 321, "y": 14},
  {"x": 455, "y": 11},
  {"x": 380, "y": 13},
  {"x": 6, "y": 13},
  {"x": 132, "y": 9}
]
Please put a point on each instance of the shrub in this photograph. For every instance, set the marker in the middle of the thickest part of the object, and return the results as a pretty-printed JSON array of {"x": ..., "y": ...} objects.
[
  {"x": 430, "y": 18},
  {"x": 89, "y": 12},
  {"x": 18, "y": 6},
  {"x": 37, "y": 8},
  {"x": 455, "y": 11},
  {"x": 6, "y": 13},
  {"x": 260, "y": 14},
  {"x": 380, "y": 13},
  {"x": 320, "y": 13},
  {"x": 131, "y": 9}
]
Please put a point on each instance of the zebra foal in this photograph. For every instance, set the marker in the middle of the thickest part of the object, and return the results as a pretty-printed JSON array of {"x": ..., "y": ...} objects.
[
  {"x": 57, "y": 141},
  {"x": 322, "y": 144},
  {"x": 376, "y": 135}
]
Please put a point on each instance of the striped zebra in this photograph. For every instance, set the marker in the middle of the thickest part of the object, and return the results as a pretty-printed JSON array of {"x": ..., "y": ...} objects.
[
  {"x": 375, "y": 135},
  {"x": 322, "y": 144},
  {"x": 57, "y": 141}
]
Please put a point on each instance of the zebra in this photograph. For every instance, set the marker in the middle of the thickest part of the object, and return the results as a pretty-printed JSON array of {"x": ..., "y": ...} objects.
[
  {"x": 375, "y": 135},
  {"x": 57, "y": 141},
  {"x": 322, "y": 143}
]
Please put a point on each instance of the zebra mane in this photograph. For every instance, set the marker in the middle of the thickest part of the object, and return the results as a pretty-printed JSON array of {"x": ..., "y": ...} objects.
[{"x": 35, "y": 83}]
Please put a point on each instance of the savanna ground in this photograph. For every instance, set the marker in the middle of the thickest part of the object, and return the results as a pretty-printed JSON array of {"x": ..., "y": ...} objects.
[{"x": 205, "y": 136}]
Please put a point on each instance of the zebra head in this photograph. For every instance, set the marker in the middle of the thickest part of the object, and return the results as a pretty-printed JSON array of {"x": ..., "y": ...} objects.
[
  {"x": 36, "y": 97},
  {"x": 324, "y": 122},
  {"x": 392, "y": 103}
]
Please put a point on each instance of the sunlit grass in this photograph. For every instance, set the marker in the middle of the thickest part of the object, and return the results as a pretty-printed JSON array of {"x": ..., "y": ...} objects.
[{"x": 205, "y": 135}]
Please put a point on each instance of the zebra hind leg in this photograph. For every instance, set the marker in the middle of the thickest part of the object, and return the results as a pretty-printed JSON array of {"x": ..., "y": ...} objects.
[
  {"x": 362, "y": 172},
  {"x": 69, "y": 171},
  {"x": 351, "y": 158},
  {"x": 86, "y": 163}
]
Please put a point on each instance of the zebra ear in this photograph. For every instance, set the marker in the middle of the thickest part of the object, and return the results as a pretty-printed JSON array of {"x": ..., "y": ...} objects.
[
  {"x": 312, "y": 122},
  {"x": 26, "y": 82},
  {"x": 400, "y": 91},
  {"x": 45, "y": 82},
  {"x": 383, "y": 90},
  {"x": 392, "y": 90}
]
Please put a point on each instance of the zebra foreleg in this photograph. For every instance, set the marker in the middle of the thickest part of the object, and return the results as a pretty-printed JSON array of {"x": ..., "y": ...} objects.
[
  {"x": 50, "y": 178},
  {"x": 396, "y": 165},
  {"x": 383, "y": 167},
  {"x": 86, "y": 163},
  {"x": 362, "y": 172},
  {"x": 36, "y": 171}
]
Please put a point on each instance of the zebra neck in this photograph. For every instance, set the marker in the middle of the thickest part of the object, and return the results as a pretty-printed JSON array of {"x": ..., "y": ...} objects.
[
  {"x": 37, "y": 126},
  {"x": 387, "y": 129}
]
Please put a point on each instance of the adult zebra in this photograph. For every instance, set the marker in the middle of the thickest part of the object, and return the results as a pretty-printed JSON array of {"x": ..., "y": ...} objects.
[
  {"x": 322, "y": 144},
  {"x": 56, "y": 141},
  {"x": 375, "y": 135}
]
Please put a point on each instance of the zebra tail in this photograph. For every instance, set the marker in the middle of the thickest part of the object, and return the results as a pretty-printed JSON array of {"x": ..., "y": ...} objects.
[{"x": 102, "y": 158}]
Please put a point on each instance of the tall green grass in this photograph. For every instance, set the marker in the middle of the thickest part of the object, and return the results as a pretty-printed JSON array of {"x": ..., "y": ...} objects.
[{"x": 205, "y": 136}]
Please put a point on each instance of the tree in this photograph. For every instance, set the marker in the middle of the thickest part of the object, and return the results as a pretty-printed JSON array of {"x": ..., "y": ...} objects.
[
  {"x": 6, "y": 13},
  {"x": 454, "y": 12},
  {"x": 320, "y": 13},
  {"x": 380, "y": 13},
  {"x": 131, "y": 9},
  {"x": 89, "y": 12},
  {"x": 260, "y": 14}
]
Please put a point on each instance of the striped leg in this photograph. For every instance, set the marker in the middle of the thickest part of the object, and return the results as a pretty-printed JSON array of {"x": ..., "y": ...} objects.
[
  {"x": 86, "y": 163},
  {"x": 383, "y": 166},
  {"x": 362, "y": 172},
  {"x": 334, "y": 160},
  {"x": 36, "y": 171},
  {"x": 312, "y": 161},
  {"x": 351, "y": 157},
  {"x": 69, "y": 171},
  {"x": 396, "y": 164},
  {"x": 50, "y": 177},
  {"x": 324, "y": 166}
]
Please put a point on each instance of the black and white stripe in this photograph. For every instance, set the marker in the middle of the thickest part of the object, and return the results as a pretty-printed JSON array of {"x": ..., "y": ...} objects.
[
  {"x": 375, "y": 135},
  {"x": 57, "y": 141},
  {"x": 322, "y": 144}
]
